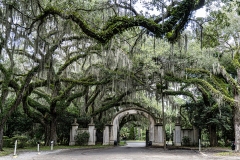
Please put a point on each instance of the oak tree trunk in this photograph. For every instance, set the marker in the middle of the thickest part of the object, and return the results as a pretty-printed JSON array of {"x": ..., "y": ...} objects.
[
  {"x": 237, "y": 116},
  {"x": 53, "y": 131},
  {"x": 1, "y": 138},
  {"x": 237, "y": 128},
  {"x": 47, "y": 134},
  {"x": 213, "y": 135}
]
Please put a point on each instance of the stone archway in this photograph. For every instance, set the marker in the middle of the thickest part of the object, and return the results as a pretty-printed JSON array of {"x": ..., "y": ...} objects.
[{"x": 155, "y": 129}]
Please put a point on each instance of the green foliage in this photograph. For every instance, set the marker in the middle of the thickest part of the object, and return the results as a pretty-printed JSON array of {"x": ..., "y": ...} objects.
[
  {"x": 186, "y": 140},
  {"x": 131, "y": 134},
  {"x": 212, "y": 31},
  {"x": 57, "y": 91},
  {"x": 82, "y": 138},
  {"x": 21, "y": 141},
  {"x": 169, "y": 136},
  {"x": 18, "y": 123},
  {"x": 7, "y": 142},
  {"x": 64, "y": 125}
]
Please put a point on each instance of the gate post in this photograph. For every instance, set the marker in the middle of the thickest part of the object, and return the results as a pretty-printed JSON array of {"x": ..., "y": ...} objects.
[
  {"x": 158, "y": 135},
  {"x": 92, "y": 133},
  {"x": 147, "y": 137},
  {"x": 73, "y": 132},
  {"x": 177, "y": 133},
  {"x": 106, "y": 135}
]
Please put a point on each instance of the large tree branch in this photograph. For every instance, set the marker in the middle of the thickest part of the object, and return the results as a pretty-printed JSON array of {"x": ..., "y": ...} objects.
[
  {"x": 203, "y": 83},
  {"x": 175, "y": 93},
  {"x": 116, "y": 25},
  {"x": 115, "y": 101}
]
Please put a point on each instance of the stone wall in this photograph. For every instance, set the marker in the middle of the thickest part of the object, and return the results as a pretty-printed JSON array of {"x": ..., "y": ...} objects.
[
  {"x": 179, "y": 133},
  {"x": 75, "y": 130}
]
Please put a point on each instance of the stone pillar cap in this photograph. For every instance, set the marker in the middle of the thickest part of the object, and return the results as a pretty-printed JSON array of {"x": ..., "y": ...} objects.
[
  {"x": 91, "y": 123},
  {"x": 75, "y": 122}
]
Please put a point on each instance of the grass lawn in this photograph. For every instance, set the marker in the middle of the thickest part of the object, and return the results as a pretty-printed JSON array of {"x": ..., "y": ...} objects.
[
  {"x": 231, "y": 153},
  {"x": 8, "y": 151}
]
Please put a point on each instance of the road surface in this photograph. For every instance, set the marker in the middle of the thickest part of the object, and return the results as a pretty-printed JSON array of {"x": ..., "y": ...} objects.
[{"x": 132, "y": 151}]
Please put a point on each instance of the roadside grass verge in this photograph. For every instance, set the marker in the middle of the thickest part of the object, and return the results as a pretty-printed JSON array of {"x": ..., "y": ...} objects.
[
  {"x": 231, "y": 153},
  {"x": 122, "y": 143},
  {"x": 7, "y": 151}
]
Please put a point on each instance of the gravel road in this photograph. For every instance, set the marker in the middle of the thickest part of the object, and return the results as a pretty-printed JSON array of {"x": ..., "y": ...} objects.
[{"x": 133, "y": 151}]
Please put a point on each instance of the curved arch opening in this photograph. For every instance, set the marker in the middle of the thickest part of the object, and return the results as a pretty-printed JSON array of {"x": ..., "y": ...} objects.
[
  {"x": 133, "y": 129},
  {"x": 155, "y": 135}
]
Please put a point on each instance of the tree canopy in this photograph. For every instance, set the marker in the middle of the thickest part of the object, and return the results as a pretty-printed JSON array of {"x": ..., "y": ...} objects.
[{"x": 98, "y": 57}]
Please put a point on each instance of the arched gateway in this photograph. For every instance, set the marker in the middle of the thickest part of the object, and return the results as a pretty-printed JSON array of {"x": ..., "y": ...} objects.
[{"x": 110, "y": 133}]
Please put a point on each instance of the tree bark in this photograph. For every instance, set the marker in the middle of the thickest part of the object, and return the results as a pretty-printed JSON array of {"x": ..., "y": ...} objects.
[
  {"x": 213, "y": 135},
  {"x": 1, "y": 138},
  {"x": 47, "y": 133},
  {"x": 237, "y": 116},
  {"x": 237, "y": 128},
  {"x": 53, "y": 131}
]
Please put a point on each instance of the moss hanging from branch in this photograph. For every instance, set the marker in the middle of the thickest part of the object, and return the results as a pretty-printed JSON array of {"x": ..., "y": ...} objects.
[
  {"x": 203, "y": 83},
  {"x": 173, "y": 25}
]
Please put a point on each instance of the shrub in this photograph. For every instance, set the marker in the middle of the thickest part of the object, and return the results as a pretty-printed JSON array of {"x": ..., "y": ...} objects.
[
  {"x": 7, "y": 142},
  {"x": 22, "y": 141},
  {"x": 82, "y": 138},
  {"x": 186, "y": 140}
]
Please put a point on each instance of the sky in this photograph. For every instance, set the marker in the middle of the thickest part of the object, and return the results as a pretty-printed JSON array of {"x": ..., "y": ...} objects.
[{"x": 199, "y": 13}]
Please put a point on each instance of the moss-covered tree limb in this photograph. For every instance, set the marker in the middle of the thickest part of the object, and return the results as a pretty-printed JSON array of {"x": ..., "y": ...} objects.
[
  {"x": 76, "y": 95},
  {"x": 217, "y": 81},
  {"x": 236, "y": 59},
  {"x": 30, "y": 56},
  {"x": 86, "y": 81},
  {"x": 37, "y": 106},
  {"x": 74, "y": 59},
  {"x": 116, "y": 25},
  {"x": 109, "y": 104},
  {"x": 175, "y": 93},
  {"x": 203, "y": 83},
  {"x": 93, "y": 97},
  {"x": 7, "y": 74},
  {"x": 34, "y": 114},
  {"x": 43, "y": 95},
  {"x": 20, "y": 93},
  {"x": 63, "y": 93}
]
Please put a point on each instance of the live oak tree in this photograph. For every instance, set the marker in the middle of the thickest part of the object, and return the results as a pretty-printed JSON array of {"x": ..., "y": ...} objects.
[
  {"x": 225, "y": 43},
  {"x": 15, "y": 46},
  {"x": 61, "y": 26}
]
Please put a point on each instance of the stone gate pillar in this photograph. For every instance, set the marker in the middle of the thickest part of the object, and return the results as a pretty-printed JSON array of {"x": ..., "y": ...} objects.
[
  {"x": 73, "y": 132},
  {"x": 147, "y": 137},
  {"x": 106, "y": 134},
  {"x": 92, "y": 133},
  {"x": 177, "y": 133},
  {"x": 158, "y": 135}
]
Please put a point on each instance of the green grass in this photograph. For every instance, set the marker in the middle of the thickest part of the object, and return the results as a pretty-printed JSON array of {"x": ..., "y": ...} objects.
[
  {"x": 231, "y": 153},
  {"x": 7, "y": 151},
  {"x": 122, "y": 143}
]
